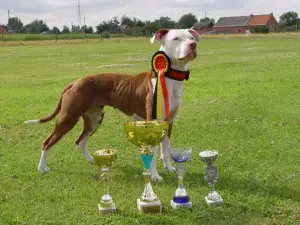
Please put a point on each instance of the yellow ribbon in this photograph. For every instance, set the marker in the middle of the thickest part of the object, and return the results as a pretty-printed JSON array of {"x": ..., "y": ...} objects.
[{"x": 159, "y": 112}]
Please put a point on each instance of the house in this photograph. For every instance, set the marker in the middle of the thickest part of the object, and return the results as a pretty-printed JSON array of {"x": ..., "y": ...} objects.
[
  {"x": 242, "y": 24},
  {"x": 3, "y": 30},
  {"x": 263, "y": 21},
  {"x": 232, "y": 25}
]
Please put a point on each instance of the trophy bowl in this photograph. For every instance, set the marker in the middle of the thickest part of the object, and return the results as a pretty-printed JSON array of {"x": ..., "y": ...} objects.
[
  {"x": 147, "y": 134},
  {"x": 104, "y": 159},
  {"x": 208, "y": 156}
]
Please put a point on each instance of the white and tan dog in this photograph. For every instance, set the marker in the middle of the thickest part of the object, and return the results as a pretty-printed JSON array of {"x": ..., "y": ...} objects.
[{"x": 131, "y": 94}]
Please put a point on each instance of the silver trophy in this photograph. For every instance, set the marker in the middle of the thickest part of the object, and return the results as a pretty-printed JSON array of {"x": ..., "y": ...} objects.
[
  {"x": 181, "y": 197},
  {"x": 211, "y": 176}
]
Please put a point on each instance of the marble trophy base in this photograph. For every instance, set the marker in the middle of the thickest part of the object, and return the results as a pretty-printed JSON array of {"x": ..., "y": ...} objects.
[
  {"x": 107, "y": 210},
  {"x": 149, "y": 207},
  {"x": 181, "y": 205},
  {"x": 217, "y": 202}
]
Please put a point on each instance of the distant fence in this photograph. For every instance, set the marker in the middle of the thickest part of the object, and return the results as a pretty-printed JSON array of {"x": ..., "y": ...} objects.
[{"x": 71, "y": 36}]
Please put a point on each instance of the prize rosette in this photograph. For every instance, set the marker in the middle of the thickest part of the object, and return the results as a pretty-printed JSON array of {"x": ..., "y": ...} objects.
[{"x": 161, "y": 65}]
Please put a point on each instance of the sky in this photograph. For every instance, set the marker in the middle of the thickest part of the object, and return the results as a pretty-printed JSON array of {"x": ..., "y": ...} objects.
[{"x": 65, "y": 12}]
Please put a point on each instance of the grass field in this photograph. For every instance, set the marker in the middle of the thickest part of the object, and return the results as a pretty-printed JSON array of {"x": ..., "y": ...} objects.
[{"x": 242, "y": 99}]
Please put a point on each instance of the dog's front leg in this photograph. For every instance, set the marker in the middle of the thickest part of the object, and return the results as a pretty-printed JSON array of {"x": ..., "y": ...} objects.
[
  {"x": 165, "y": 150},
  {"x": 154, "y": 173}
]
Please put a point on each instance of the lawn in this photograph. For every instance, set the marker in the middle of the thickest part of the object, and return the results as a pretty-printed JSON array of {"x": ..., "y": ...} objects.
[{"x": 242, "y": 99}]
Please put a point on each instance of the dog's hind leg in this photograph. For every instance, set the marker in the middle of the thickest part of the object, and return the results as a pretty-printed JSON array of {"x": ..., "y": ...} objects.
[
  {"x": 91, "y": 121},
  {"x": 62, "y": 126}
]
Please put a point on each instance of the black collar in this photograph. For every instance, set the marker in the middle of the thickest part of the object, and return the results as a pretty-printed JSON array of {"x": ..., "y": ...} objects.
[{"x": 176, "y": 74}]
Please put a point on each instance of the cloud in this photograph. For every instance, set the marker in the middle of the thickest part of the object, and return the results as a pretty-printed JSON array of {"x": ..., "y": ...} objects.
[{"x": 60, "y": 13}]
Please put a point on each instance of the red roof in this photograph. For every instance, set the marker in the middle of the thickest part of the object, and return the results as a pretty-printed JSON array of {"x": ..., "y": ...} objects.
[{"x": 259, "y": 19}]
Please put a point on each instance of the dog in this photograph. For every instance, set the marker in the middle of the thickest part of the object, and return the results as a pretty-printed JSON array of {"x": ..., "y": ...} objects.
[{"x": 131, "y": 94}]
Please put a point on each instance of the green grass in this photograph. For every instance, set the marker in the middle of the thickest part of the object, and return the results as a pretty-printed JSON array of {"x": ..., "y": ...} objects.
[{"x": 242, "y": 99}]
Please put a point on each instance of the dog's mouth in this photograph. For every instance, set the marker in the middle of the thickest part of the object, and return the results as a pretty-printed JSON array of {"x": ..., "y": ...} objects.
[{"x": 189, "y": 57}]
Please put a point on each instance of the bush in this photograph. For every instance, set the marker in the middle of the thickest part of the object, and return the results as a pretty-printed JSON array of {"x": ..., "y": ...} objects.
[
  {"x": 105, "y": 35},
  {"x": 261, "y": 29}
]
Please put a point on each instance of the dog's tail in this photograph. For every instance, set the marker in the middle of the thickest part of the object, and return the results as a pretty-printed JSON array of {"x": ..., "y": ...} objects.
[{"x": 54, "y": 113}]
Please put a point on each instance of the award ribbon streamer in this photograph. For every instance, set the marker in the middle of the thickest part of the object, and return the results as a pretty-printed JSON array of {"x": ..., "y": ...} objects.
[{"x": 161, "y": 65}]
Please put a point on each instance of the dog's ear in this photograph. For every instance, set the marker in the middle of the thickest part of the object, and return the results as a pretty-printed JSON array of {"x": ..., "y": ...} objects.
[
  {"x": 159, "y": 35},
  {"x": 195, "y": 34}
]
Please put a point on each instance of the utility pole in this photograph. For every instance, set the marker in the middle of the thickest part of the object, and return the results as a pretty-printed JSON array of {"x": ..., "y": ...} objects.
[
  {"x": 84, "y": 27},
  {"x": 8, "y": 11},
  {"x": 79, "y": 15},
  {"x": 205, "y": 22}
]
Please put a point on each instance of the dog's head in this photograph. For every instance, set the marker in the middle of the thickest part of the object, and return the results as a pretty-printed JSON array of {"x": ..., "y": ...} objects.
[{"x": 179, "y": 44}]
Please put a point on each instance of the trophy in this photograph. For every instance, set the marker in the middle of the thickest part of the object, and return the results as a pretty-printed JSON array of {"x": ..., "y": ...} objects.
[
  {"x": 211, "y": 176},
  {"x": 104, "y": 159},
  {"x": 146, "y": 134},
  {"x": 181, "y": 156}
]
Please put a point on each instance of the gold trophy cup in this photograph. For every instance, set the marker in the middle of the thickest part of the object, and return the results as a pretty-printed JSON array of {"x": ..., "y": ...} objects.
[
  {"x": 104, "y": 159},
  {"x": 146, "y": 134}
]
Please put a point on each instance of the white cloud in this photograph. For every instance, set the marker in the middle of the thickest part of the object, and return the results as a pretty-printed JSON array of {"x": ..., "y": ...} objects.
[{"x": 59, "y": 13}]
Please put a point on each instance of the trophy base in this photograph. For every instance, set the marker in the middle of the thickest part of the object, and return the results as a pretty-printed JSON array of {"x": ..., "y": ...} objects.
[
  {"x": 149, "y": 207},
  {"x": 107, "y": 210},
  {"x": 181, "y": 205},
  {"x": 214, "y": 202}
]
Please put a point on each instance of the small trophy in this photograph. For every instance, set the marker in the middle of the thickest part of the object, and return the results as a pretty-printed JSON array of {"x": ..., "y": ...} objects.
[
  {"x": 181, "y": 156},
  {"x": 104, "y": 159},
  {"x": 211, "y": 176},
  {"x": 146, "y": 134}
]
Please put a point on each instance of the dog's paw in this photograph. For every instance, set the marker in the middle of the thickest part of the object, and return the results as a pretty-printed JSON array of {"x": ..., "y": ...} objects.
[
  {"x": 43, "y": 169},
  {"x": 156, "y": 177},
  {"x": 91, "y": 160}
]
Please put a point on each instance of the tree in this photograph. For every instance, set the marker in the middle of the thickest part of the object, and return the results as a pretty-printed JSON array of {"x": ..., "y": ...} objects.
[
  {"x": 288, "y": 19},
  {"x": 36, "y": 27},
  {"x": 204, "y": 23},
  {"x": 75, "y": 28},
  {"x": 90, "y": 30},
  {"x": 152, "y": 27},
  {"x": 55, "y": 30},
  {"x": 15, "y": 24},
  {"x": 125, "y": 20},
  {"x": 111, "y": 26},
  {"x": 65, "y": 30},
  {"x": 165, "y": 22},
  {"x": 187, "y": 21}
]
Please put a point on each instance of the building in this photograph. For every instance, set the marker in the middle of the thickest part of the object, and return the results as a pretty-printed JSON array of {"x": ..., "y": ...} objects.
[
  {"x": 231, "y": 25},
  {"x": 3, "y": 30},
  {"x": 242, "y": 24},
  {"x": 263, "y": 21}
]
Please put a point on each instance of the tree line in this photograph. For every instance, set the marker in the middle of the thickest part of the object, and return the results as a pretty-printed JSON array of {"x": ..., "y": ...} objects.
[
  {"x": 126, "y": 25},
  {"x": 136, "y": 27}
]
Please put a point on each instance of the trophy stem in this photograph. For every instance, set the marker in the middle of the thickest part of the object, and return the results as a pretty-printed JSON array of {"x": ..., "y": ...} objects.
[
  {"x": 180, "y": 181},
  {"x": 148, "y": 201},
  {"x": 148, "y": 194},
  {"x": 106, "y": 203}
]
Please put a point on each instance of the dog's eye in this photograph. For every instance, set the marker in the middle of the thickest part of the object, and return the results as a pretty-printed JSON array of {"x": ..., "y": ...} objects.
[
  {"x": 176, "y": 39},
  {"x": 191, "y": 38}
]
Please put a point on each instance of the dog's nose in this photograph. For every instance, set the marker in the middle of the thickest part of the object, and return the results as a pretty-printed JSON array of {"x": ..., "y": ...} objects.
[{"x": 193, "y": 45}]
